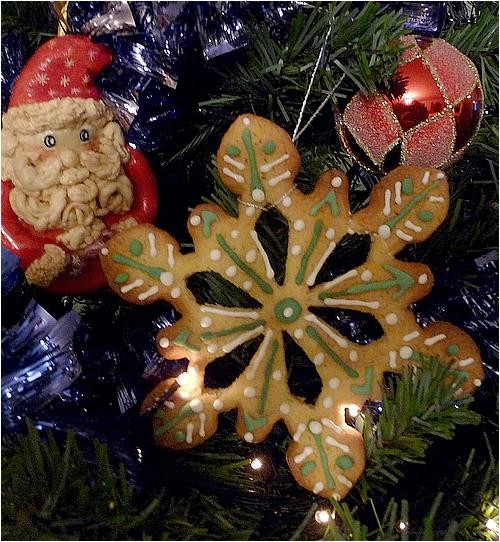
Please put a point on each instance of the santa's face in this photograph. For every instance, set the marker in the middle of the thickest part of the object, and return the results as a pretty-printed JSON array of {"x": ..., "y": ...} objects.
[{"x": 66, "y": 143}]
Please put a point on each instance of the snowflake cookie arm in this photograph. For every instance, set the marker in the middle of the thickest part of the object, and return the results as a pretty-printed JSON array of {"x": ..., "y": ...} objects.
[
  {"x": 406, "y": 206},
  {"x": 141, "y": 265},
  {"x": 257, "y": 160}
]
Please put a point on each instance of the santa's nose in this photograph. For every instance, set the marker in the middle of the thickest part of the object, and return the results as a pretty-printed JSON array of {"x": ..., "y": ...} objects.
[{"x": 69, "y": 158}]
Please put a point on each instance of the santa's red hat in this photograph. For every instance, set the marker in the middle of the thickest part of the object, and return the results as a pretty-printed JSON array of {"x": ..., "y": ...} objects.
[{"x": 59, "y": 75}]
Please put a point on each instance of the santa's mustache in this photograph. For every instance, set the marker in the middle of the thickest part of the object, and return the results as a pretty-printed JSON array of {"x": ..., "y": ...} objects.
[{"x": 33, "y": 173}]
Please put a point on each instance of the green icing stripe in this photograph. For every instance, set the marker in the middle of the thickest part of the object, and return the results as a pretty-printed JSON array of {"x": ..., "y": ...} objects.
[
  {"x": 208, "y": 218},
  {"x": 262, "y": 284},
  {"x": 331, "y": 200},
  {"x": 159, "y": 413},
  {"x": 407, "y": 186},
  {"x": 153, "y": 272},
  {"x": 246, "y": 136},
  {"x": 135, "y": 247},
  {"x": 412, "y": 204},
  {"x": 253, "y": 423},
  {"x": 307, "y": 468},
  {"x": 315, "y": 337},
  {"x": 402, "y": 280},
  {"x": 267, "y": 377},
  {"x": 230, "y": 331},
  {"x": 182, "y": 340},
  {"x": 453, "y": 349},
  {"x": 269, "y": 147},
  {"x": 425, "y": 216},
  {"x": 185, "y": 412},
  {"x": 324, "y": 461},
  {"x": 344, "y": 462},
  {"x": 121, "y": 278},
  {"x": 366, "y": 387},
  {"x": 232, "y": 150},
  {"x": 310, "y": 249}
]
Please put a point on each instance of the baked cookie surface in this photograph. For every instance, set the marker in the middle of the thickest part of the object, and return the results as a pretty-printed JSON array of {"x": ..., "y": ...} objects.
[{"x": 259, "y": 162}]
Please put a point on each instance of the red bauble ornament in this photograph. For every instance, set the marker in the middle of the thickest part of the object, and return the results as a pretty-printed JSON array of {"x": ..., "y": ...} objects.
[{"x": 427, "y": 118}]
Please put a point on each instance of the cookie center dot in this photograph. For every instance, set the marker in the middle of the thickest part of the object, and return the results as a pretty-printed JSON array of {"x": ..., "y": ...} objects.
[{"x": 287, "y": 310}]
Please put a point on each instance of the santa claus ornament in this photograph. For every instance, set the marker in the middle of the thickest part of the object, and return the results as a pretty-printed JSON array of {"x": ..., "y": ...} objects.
[
  {"x": 427, "y": 118},
  {"x": 70, "y": 180}
]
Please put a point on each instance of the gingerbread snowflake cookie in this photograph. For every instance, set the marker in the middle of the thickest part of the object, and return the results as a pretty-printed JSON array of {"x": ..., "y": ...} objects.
[{"x": 258, "y": 160}]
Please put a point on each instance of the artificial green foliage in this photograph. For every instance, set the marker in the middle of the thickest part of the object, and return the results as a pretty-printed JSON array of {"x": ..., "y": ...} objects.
[{"x": 53, "y": 490}]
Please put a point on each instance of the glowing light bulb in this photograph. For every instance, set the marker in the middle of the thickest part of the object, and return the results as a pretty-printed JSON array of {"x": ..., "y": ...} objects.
[
  {"x": 353, "y": 410},
  {"x": 183, "y": 379},
  {"x": 491, "y": 524},
  {"x": 322, "y": 516},
  {"x": 408, "y": 98},
  {"x": 256, "y": 463},
  {"x": 402, "y": 525}
]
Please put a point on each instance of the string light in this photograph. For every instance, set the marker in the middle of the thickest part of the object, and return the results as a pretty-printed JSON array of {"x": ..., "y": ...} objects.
[
  {"x": 256, "y": 463},
  {"x": 353, "y": 410},
  {"x": 402, "y": 525},
  {"x": 491, "y": 524},
  {"x": 322, "y": 516}
]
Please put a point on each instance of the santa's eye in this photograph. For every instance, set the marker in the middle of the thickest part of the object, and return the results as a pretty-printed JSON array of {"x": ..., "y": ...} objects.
[
  {"x": 49, "y": 141},
  {"x": 84, "y": 135}
]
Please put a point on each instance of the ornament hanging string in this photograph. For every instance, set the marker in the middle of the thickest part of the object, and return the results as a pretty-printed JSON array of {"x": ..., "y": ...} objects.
[
  {"x": 296, "y": 132},
  {"x": 309, "y": 88}
]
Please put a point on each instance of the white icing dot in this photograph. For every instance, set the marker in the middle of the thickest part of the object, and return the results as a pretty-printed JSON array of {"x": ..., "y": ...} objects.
[
  {"x": 319, "y": 359},
  {"x": 336, "y": 182},
  {"x": 231, "y": 271},
  {"x": 277, "y": 375},
  {"x": 299, "y": 225},
  {"x": 405, "y": 352},
  {"x": 477, "y": 382},
  {"x": 175, "y": 293},
  {"x": 391, "y": 319},
  {"x": 353, "y": 355},
  {"x": 318, "y": 486},
  {"x": 251, "y": 256},
  {"x": 247, "y": 285},
  {"x": 327, "y": 402},
  {"x": 296, "y": 250},
  {"x": 215, "y": 254},
  {"x": 315, "y": 427},
  {"x": 334, "y": 383},
  {"x": 250, "y": 211},
  {"x": 212, "y": 348},
  {"x": 287, "y": 201},
  {"x": 164, "y": 342},
  {"x": 422, "y": 279},
  {"x": 196, "y": 405},
  {"x": 336, "y": 496},
  {"x": 218, "y": 404},
  {"x": 104, "y": 251},
  {"x": 284, "y": 408},
  {"x": 366, "y": 275},
  {"x": 166, "y": 278},
  {"x": 330, "y": 233},
  {"x": 258, "y": 195},
  {"x": 288, "y": 312},
  {"x": 384, "y": 231},
  {"x": 235, "y": 234},
  {"x": 195, "y": 220},
  {"x": 246, "y": 122},
  {"x": 206, "y": 321},
  {"x": 249, "y": 392},
  {"x": 298, "y": 333},
  {"x": 248, "y": 437}
]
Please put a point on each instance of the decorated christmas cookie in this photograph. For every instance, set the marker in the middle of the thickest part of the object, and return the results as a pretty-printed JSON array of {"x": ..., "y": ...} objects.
[
  {"x": 70, "y": 179},
  {"x": 258, "y": 161}
]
